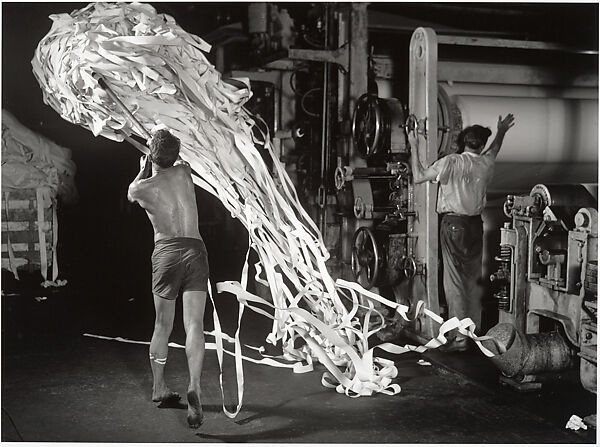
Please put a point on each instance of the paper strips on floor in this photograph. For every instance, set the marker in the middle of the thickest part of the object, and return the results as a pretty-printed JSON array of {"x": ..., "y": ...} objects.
[{"x": 161, "y": 74}]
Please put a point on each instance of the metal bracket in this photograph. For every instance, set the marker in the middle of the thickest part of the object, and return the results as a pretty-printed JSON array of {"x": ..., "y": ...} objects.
[{"x": 339, "y": 56}]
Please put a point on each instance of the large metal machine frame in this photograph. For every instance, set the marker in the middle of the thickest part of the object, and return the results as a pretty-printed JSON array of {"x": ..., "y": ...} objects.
[
  {"x": 380, "y": 227},
  {"x": 547, "y": 273},
  {"x": 422, "y": 103}
]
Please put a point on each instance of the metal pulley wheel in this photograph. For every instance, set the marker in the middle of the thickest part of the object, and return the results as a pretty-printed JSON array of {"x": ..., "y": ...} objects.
[
  {"x": 359, "y": 208},
  {"x": 568, "y": 196},
  {"x": 339, "y": 178},
  {"x": 409, "y": 267},
  {"x": 365, "y": 258},
  {"x": 586, "y": 218},
  {"x": 507, "y": 208},
  {"x": 368, "y": 125},
  {"x": 411, "y": 123}
]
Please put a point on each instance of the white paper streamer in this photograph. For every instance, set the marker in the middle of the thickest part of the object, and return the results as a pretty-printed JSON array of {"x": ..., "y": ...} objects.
[{"x": 161, "y": 74}]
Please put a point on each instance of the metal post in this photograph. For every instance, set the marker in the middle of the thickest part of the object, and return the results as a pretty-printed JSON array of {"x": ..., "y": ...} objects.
[
  {"x": 423, "y": 104},
  {"x": 359, "y": 37}
]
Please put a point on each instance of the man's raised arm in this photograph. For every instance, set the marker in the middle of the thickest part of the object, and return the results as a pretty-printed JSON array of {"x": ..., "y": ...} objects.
[
  {"x": 419, "y": 172},
  {"x": 145, "y": 172},
  {"x": 503, "y": 126}
]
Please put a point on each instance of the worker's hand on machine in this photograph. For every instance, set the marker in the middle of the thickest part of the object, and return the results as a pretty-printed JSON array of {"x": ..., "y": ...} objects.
[
  {"x": 413, "y": 140},
  {"x": 506, "y": 123}
]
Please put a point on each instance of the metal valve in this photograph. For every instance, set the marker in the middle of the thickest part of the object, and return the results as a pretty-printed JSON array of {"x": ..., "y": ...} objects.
[
  {"x": 359, "y": 208},
  {"x": 340, "y": 177},
  {"x": 409, "y": 267},
  {"x": 413, "y": 123}
]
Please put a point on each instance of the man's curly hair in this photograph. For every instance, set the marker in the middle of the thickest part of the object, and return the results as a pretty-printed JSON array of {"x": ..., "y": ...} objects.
[
  {"x": 164, "y": 148},
  {"x": 473, "y": 138}
]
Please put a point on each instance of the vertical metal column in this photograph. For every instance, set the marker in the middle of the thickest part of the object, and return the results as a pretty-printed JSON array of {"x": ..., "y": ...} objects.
[
  {"x": 423, "y": 104},
  {"x": 325, "y": 147},
  {"x": 359, "y": 58},
  {"x": 359, "y": 40},
  {"x": 343, "y": 38},
  {"x": 352, "y": 33}
]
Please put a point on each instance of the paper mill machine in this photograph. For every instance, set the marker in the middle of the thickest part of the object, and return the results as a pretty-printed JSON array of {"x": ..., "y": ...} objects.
[
  {"x": 547, "y": 258},
  {"x": 333, "y": 128}
]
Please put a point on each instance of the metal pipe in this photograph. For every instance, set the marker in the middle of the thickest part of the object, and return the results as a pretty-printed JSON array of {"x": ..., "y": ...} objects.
[
  {"x": 373, "y": 177},
  {"x": 324, "y": 114},
  {"x": 117, "y": 101},
  {"x": 322, "y": 192},
  {"x": 411, "y": 206},
  {"x": 120, "y": 103},
  {"x": 139, "y": 146}
]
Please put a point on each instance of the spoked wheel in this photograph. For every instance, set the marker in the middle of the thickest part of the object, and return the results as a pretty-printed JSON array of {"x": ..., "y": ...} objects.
[
  {"x": 368, "y": 124},
  {"x": 409, "y": 267},
  {"x": 365, "y": 258}
]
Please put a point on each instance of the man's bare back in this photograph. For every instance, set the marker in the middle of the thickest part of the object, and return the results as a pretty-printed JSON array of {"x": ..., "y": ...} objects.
[
  {"x": 169, "y": 200},
  {"x": 164, "y": 188}
]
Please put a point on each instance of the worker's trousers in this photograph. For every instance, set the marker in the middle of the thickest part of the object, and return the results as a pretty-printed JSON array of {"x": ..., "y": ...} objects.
[{"x": 461, "y": 240}]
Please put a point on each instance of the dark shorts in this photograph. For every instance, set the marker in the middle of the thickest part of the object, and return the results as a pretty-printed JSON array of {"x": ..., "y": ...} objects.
[{"x": 179, "y": 263}]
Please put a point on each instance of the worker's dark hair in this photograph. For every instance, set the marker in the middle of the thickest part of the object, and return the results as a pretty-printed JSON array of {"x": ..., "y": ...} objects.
[
  {"x": 164, "y": 148},
  {"x": 473, "y": 138}
]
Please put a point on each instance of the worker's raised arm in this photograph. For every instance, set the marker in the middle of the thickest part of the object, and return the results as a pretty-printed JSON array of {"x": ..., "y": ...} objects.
[
  {"x": 420, "y": 173},
  {"x": 503, "y": 126},
  {"x": 145, "y": 172}
]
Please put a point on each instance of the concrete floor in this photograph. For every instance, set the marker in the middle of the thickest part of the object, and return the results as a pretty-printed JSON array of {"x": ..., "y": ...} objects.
[{"x": 59, "y": 386}]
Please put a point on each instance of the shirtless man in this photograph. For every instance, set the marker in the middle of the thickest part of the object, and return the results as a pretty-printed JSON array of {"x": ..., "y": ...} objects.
[{"x": 179, "y": 262}]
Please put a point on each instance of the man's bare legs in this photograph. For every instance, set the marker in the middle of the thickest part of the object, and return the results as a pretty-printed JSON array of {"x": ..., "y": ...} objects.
[
  {"x": 159, "y": 346},
  {"x": 193, "y": 321}
]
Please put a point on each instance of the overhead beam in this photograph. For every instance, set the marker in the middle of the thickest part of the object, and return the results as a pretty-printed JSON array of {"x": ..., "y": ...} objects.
[
  {"x": 339, "y": 56},
  {"x": 509, "y": 43},
  {"x": 514, "y": 74}
]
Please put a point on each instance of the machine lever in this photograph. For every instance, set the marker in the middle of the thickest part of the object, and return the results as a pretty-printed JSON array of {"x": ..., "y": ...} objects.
[{"x": 112, "y": 95}]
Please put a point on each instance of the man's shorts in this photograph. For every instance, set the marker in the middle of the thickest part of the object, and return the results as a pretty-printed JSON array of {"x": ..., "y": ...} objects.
[{"x": 179, "y": 263}]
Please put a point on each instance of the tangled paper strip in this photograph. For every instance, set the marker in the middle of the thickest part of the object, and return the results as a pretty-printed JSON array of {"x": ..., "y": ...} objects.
[{"x": 161, "y": 74}]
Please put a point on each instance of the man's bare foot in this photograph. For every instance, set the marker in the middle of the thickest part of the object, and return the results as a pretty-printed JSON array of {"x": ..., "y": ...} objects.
[
  {"x": 164, "y": 395},
  {"x": 195, "y": 415}
]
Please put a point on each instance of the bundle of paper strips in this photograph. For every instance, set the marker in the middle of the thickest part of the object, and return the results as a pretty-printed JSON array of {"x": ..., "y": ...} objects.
[{"x": 160, "y": 73}]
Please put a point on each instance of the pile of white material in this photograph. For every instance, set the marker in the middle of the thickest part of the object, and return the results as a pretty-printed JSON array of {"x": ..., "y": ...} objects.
[
  {"x": 30, "y": 160},
  {"x": 161, "y": 74},
  {"x": 576, "y": 423}
]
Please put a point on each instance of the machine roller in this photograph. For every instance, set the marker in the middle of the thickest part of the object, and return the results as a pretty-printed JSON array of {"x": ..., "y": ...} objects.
[{"x": 556, "y": 138}]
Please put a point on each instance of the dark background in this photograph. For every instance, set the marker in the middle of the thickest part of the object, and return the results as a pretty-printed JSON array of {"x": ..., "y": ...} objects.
[{"x": 105, "y": 242}]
